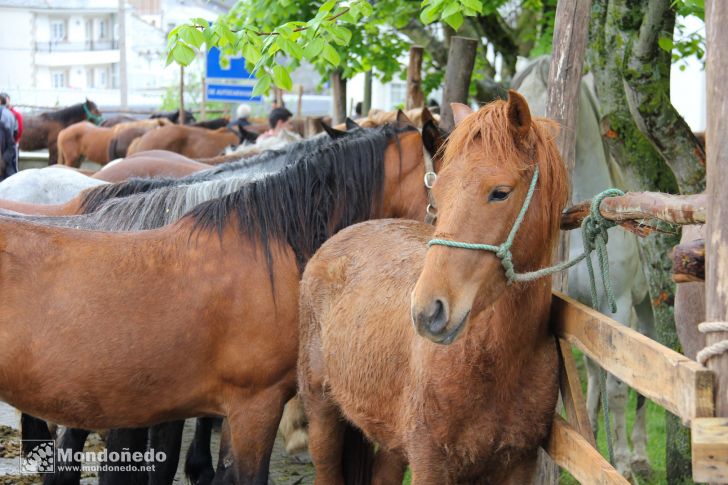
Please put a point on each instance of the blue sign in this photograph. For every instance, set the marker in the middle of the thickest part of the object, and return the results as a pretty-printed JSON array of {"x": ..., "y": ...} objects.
[
  {"x": 236, "y": 69},
  {"x": 229, "y": 92}
]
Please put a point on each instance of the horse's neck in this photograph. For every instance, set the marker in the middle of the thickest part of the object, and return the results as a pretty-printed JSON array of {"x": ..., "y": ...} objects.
[{"x": 506, "y": 333}]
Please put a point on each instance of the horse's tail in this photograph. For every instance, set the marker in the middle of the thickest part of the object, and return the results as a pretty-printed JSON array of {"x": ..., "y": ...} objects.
[
  {"x": 59, "y": 144},
  {"x": 357, "y": 457},
  {"x": 112, "y": 149}
]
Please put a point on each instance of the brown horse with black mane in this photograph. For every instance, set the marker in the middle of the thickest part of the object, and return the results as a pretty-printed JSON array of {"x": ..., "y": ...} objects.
[
  {"x": 41, "y": 131},
  {"x": 431, "y": 352},
  {"x": 233, "y": 326},
  {"x": 85, "y": 140}
]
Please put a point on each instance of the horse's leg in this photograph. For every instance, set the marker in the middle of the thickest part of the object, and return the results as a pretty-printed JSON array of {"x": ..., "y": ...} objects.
[
  {"x": 326, "y": 431},
  {"x": 166, "y": 437},
  {"x": 389, "y": 467},
  {"x": 198, "y": 465},
  {"x": 521, "y": 472},
  {"x": 593, "y": 393},
  {"x": 125, "y": 440},
  {"x": 617, "y": 393},
  {"x": 253, "y": 423},
  {"x": 73, "y": 440},
  {"x": 32, "y": 428},
  {"x": 640, "y": 462},
  {"x": 293, "y": 426}
]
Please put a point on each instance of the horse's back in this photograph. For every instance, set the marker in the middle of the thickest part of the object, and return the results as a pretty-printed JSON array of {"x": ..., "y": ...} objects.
[{"x": 50, "y": 185}]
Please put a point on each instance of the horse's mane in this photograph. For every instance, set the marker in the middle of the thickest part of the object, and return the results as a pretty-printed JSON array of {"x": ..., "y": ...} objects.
[
  {"x": 66, "y": 115},
  {"x": 487, "y": 133},
  {"x": 378, "y": 117},
  {"x": 335, "y": 186},
  {"x": 93, "y": 199}
]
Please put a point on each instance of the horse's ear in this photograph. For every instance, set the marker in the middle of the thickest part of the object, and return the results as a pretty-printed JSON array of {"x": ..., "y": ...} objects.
[
  {"x": 432, "y": 137},
  {"x": 333, "y": 132},
  {"x": 351, "y": 124},
  {"x": 403, "y": 120},
  {"x": 519, "y": 115},
  {"x": 426, "y": 116},
  {"x": 460, "y": 111}
]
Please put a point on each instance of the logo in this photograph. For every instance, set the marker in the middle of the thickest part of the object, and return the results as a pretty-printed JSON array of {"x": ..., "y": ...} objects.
[{"x": 40, "y": 458}]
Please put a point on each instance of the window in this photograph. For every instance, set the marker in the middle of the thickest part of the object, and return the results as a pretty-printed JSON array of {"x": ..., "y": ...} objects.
[
  {"x": 58, "y": 79},
  {"x": 89, "y": 78},
  {"x": 58, "y": 30},
  {"x": 103, "y": 75},
  {"x": 102, "y": 29},
  {"x": 398, "y": 93}
]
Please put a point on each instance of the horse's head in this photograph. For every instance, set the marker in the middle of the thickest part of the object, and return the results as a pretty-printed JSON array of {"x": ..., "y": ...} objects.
[
  {"x": 488, "y": 168},
  {"x": 404, "y": 191},
  {"x": 91, "y": 112}
]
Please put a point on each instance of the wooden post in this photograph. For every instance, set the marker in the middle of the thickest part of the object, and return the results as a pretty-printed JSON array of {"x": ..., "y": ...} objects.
[
  {"x": 181, "y": 119},
  {"x": 567, "y": 62},
  {"x": 460, "y": 62},
  {"x": 415, "y": 96},
  {"x": 338, "y": 93},
  {"x": 367, "y": 103},
  {"x": 203, "y": 105},
  {"x": 716, "y": 238},
  {"x": 299, "y": 103}
]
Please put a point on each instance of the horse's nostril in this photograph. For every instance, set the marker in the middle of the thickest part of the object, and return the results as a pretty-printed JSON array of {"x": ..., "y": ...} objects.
[{"x": 438, "y": 317}]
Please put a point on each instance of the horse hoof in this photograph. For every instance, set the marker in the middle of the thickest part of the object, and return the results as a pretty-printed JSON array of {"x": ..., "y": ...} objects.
[{"x": 641, "y": 467}]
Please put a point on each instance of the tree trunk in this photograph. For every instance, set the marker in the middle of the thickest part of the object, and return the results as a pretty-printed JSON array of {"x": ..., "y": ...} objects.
[
  {"x": 367, "y": 103},
  {"x": 338, "y": 94},
  {"x": 415, "y": 96},
  {"x": 181, "y": 119},
  {"x": 615, "y": 24},
  {"x": 460, "y": 64},
  {"x": 716, "y": 302}
]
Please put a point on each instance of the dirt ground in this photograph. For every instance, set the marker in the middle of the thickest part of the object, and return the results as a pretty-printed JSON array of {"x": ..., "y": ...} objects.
[{"x": 284, "y": 469}]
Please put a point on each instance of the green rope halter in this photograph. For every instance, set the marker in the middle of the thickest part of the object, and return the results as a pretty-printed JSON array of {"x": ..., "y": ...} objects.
[
  {"x": 593, "y": 230},
  {"x": 95, "y": 119}
]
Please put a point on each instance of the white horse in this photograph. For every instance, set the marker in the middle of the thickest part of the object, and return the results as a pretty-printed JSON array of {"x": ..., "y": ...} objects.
[
  {"x": 49, "y": 185},
  {"x": 593, "y": 173}
]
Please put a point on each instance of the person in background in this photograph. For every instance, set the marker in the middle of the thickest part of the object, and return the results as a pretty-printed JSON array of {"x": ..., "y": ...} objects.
[
  {"x": 279, "y": 119},
  {"x": 357, "y": 110},
  {"x": 5, "y": 101},
  {"x": 242, "y": 114},
  {"x": 10, "y": 135}
]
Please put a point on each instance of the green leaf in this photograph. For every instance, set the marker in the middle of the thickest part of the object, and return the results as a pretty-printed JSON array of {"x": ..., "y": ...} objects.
[
  {"x": 282, "y": 78},
  {"x": 183, "y": 54},
  {"x": 251, "y": 54},
  {"x": 454, "y": 21},
  {"x": 262, "y": 85},
  {"x": 451, "y": 10},
  {"x": 341, "y": 35},
  {"x": 666, "y": 43},
  {"x": 326, "y": 7},
  {"x": 476, "y": 5},
  {"x": 330, "y": 54},
  {"x": 192, "y": 36},
  {"x": 313, "y": 48},
  {"x": 429, "y": 15}
]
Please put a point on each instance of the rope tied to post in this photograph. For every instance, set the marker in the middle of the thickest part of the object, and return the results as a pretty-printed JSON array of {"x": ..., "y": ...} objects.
[
  {"x": 715, "y": 349},
  {"x": 594, "y": 233}
]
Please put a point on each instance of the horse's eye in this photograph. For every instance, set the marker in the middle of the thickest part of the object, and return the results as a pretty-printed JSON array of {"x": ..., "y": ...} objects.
[{"x": 498, "y": 194}]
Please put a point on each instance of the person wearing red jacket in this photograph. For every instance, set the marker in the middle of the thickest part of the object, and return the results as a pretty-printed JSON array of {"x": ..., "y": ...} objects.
[{"x": 5, "y": 101}]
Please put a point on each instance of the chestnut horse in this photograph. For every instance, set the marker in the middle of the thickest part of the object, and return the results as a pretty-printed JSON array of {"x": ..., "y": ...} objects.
[
  {"x": 152, "y": 163},
  {"x": 189, "y": 141},
  {"x": 85, "y": 140},
  {"x": 41, "y": 131},
  {"x": 465, "y": 394},
  {"x": 233, "y": 327}
]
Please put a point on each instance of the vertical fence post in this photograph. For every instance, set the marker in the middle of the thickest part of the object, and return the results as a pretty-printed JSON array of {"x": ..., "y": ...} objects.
[{"x": 415, "y": 96}]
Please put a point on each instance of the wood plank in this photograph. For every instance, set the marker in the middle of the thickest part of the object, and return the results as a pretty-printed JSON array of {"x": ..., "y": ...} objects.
[
  {"x": 572, "y": 395},
  {"x": 680, "y": 385},
  {"x": 710, "y": 450},
  {"x": 415, "y": 96},
  {"x": 688, "y": 261},
  {"x": 572, "y": 452}
]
